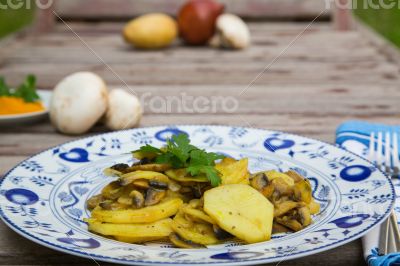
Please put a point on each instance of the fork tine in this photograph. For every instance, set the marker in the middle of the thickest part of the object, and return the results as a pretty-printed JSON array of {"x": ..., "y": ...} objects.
[
  {"x": 371, "y": 152},
  {"x": 395, "y": 155},
  {"x": 379, "y": 151},
  {"x": 387, "y": 153}
]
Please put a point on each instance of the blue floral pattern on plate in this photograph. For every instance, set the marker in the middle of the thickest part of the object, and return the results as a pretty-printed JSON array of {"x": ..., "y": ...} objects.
[{"x": 43, "y": 198}]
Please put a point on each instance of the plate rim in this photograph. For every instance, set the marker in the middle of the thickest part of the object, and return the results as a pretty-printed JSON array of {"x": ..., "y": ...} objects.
[{"x": 255, "y": 261}]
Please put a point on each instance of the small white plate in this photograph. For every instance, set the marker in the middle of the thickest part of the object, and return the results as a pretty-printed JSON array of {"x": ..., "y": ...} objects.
[{"x": 45, "y": 96}]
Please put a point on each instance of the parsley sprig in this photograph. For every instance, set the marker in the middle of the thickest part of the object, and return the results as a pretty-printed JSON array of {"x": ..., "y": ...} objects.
[
  {"x": 26, "y": 91},
  {"x": 179, "y": 153}
]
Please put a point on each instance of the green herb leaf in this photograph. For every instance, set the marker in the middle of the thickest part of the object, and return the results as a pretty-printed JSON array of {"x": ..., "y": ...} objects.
[
  {"x": 27, "y": 90},
  {"x": 179, "y": 153}
]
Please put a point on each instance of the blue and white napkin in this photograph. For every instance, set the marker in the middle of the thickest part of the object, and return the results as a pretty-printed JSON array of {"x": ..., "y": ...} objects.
[{"x": 354, "y": 136}]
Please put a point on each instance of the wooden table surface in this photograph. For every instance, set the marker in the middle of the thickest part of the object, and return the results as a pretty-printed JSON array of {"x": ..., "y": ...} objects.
[{"x": 324, "y": 78}]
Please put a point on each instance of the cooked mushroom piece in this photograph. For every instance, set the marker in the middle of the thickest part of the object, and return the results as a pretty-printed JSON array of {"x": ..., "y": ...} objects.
[
  {"x": 154, "y": 196},
  {"x": 158, "y": 184},
  {"x": 290, "y": 222},
  {"x": 260, "y": 182},
  {"x": 281, "y": 188},
  {"x": 303, "y": 191},
  {"x": 197, "y": 191},
  {"x": 220, "y": 233},
  {"x": 94, "y": 201},
  {"x": 174, "y": 186},
  {"x": 278, "y": 228},
  {"x": 137, "y": 199},
  {"x": 182, "y": 243},
  {"x": 282, "y": 208},
  {"x": 304, "y": 216},
  {"x": 120, "y": 167}
]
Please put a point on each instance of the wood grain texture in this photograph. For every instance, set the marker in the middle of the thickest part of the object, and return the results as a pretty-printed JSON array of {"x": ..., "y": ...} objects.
[
  {"x": 324, "y": 78},
  {"x": 120, "y": 9}
]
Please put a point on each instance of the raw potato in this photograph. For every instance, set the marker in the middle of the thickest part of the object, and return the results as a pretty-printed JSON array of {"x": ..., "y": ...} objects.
[
  {"x": 78, "y": 102},
  {"x": 159, "y": 229},
  {"x": 124, "y": 110},
  {"x": 151, "y": 31},
  {"x": 240, "y": 210},
  {"x": 150, "y": 214}
]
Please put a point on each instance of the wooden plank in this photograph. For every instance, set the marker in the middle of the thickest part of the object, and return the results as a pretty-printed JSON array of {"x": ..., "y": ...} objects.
[{"x": 119, "y": 9}]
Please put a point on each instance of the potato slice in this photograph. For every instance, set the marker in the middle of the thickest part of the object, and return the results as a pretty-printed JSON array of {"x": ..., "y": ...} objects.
[
  {"x": 240, "y": 210},
  {"x": 139, "y": 239},
  {"x": 195, "y": 232},
  {"x": 181, "y": 175},
  {"x": 303, "y": 191},
  {"x": 164, "y": 209},
  {"x": 128, "y": 178},
  {"x": 314, "y": 207},
  {"x": 157, "y": 230},
  {"x": 275, "y": 174},
  {"x": 198, "y": 215},
  {"x": 233, "y": 172}
]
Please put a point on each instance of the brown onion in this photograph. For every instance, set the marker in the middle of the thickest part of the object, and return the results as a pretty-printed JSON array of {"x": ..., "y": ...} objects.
[{"x": 196, "y": 20}]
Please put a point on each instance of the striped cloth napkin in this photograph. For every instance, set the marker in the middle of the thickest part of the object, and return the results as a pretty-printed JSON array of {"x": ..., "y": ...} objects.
[{"x": 354, "y": 136}]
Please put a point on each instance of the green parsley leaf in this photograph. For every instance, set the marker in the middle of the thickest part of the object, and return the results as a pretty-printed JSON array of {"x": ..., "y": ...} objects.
[
  {"x": 27, "y": 90},
  {"x": 179, "y": 153}
]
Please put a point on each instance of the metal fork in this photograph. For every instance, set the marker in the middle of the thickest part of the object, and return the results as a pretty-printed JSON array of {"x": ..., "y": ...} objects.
[{"x": 384, "y": 153}]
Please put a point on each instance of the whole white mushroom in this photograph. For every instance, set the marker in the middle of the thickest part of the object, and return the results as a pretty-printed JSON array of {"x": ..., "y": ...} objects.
[
  {"x": 78, "y": 102},
  {"x": 124, "y": 110},
  {"x": 232, "y": 33}
]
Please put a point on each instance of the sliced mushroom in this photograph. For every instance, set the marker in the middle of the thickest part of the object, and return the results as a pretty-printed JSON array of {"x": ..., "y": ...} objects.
[
  {"x": 94, "y": 201},
  {"x": 120, "y": 167},
  {"x": 185, "y": 189},
  {"x": 137, "y": 199},
  {"x": 174, "y": 186},
  {"x": 183, "y": 243},
  {"x": 282, "y": 208},
  {"x": 158, "y": 184},
  {"x": 197, "y": 191},
  {"x": 281, "y": 188},
  {"x": 154, "y": 196},
  {"x": 220, "y": 233},
  {"x": 294, "y": 175},
  {"x": 303, "y": 191},
  {"x": 278, "y": 228},
  {"x": 290, "y": 222},
  {"x": 260, "y": 182},
  {"x": 304, "y": 216},
  {"x": 112, "y": 190}
]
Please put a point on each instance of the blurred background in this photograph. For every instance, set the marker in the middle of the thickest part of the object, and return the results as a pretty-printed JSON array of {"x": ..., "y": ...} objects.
[{"x": 383, "y": 20}]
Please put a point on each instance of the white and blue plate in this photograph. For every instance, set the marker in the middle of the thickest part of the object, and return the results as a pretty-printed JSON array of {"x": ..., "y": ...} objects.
[{"x": 43, "y": 198}]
